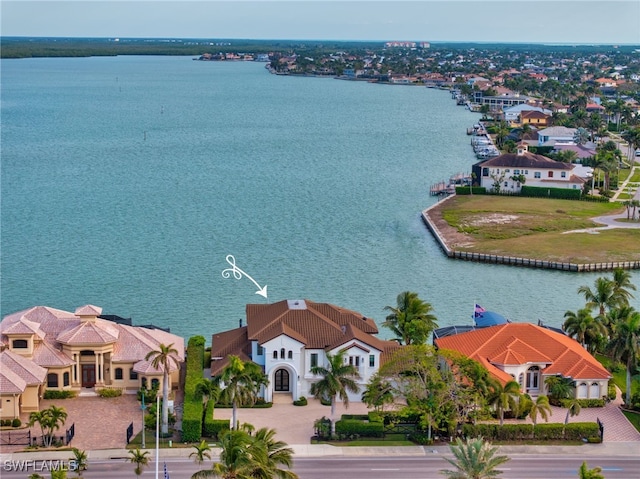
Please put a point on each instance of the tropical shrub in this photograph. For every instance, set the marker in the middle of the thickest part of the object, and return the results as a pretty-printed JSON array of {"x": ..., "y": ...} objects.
[
  {"x": 420, "y": 438},
  {"x": 55, "y": 394},
  {"x": 110, "y": 392},
  {"x": 16, "y": 422},
  {"x": 322, "y": 428},
  {"x": 215, "y": 427},
  {"x": 560, "y": 193},
  {"x": 587, "y": 403},
  {"x": 300, "y": 402}
]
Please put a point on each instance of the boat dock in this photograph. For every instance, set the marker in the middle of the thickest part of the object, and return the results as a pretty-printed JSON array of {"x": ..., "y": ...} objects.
[{"x": 443, "y": 188}]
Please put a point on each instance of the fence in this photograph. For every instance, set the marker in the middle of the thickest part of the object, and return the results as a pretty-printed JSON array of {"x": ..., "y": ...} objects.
[{"x": 15, "y": 438}]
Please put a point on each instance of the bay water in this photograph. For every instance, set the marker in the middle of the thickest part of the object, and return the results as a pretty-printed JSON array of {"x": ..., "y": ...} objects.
[{"x": 128, "y": 181}]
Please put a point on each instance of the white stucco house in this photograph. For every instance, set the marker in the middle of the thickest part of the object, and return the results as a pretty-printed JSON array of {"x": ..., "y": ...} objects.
[
  {"x": 290, "y": 337},
  {"x": 537, "y": 170},
  {"x": 556, "y": 134}
]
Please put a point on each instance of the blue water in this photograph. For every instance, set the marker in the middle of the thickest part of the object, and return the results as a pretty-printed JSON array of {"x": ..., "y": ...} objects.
[{"x": 126, "y": 181}]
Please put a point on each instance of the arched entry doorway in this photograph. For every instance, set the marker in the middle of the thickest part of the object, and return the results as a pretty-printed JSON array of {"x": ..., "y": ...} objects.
[{"x": 281, "y": 381}]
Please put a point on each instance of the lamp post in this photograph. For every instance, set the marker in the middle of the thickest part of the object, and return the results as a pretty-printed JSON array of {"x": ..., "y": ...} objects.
[{"x": 143, "y": 407}]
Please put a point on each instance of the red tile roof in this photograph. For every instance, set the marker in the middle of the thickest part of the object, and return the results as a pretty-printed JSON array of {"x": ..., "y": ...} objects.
[{"x": 524, "y": 343}]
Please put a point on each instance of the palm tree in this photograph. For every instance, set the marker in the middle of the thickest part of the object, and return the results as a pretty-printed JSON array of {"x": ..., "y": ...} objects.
[
  {"x": 338, "y": 379},
  {"x": 559, "y": 388},
  {"x": 573, "y": 409},
  {"x": 162, "y": 359},
  {"x": 411, "y": 320},
  {"x": 140, "y": 459},
  {"x": 625, "y": 346},
  {"x": 602, "y": 297},
  {"x": 50, "y": 420},
  {"x": 209, "y": 389},
  {"x": 505, "y": 398},
  {"x": 584, "y": 328},
  {"x": 80, "y": 460},
  {"x": 540, "y": 406},
  {"x": 378, "y": 393},
  {"x": 278, "y": 454},
  {"x": 585, "y": 473},
  {"x": 622, "y": 285},
  {"x": 474, "y": 459},
  {"x": 202, "y": 452},
  {"x": 242, "y": 381},
  {"x": 251, "y": 457}
]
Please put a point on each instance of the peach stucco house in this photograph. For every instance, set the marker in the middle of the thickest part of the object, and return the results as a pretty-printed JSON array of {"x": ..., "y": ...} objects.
[
  {"x": 529, "y": 354},
  {"x": 47, "y": 348}
]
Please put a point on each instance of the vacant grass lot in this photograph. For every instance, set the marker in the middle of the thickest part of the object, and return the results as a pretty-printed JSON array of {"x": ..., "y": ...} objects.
[{"x": 537, "y": 228}]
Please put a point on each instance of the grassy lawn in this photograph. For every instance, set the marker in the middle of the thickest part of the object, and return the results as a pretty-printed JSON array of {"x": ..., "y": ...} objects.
[
  {"x": 534, "y": 227},
  {"x": 636, "y": 176},
  {"x": 620, "y": 375},
  {"x": 634, "y": 418},
  {"x": 150, "y": 439}
]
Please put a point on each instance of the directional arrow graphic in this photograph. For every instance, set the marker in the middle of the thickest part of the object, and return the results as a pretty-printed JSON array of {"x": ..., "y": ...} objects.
[{"x": 238, "y": 274}]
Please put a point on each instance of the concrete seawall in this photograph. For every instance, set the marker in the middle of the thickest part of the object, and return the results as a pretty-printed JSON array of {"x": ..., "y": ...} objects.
[{"x": 514, "y": 260}]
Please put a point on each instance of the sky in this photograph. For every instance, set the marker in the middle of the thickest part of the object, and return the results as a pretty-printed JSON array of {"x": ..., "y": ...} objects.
[{"x": 504, "y": 21}]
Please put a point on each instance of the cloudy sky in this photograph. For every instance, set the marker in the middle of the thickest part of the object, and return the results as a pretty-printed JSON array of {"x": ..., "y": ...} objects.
[{"x": 539, "y": 21}]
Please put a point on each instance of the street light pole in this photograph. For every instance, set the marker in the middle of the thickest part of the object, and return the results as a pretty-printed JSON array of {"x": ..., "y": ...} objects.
[{"x": 143, "y": 407}]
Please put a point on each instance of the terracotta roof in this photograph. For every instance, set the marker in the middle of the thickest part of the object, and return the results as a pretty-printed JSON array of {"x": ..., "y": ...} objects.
[
  {"x": 526, "y": 343},
  {"x": 22, "y": 367},
  {"x": 89, "y": 310},
  {"x": 47, "y": 356},
  {"x": 88, "y": 333},
  {"x": 11, "y": 383},
  {"x": 23, "y": 326},
  {"x": 316, "y": 325},
  {"x": 526, "y": 160}
]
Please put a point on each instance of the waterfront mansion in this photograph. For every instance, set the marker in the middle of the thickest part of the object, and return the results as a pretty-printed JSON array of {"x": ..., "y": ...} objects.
[
  {"x": 45, "y": 348},
  {"x": 290, "y": 337}
]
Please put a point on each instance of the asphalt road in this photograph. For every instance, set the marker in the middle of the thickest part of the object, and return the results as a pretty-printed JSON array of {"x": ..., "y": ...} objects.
[{"x": 528, "y": 466}]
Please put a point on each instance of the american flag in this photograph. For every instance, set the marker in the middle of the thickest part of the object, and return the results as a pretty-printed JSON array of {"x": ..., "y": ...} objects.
[
  {"x": 478, "y": 310},
  {"x": 166, "y": 473}
]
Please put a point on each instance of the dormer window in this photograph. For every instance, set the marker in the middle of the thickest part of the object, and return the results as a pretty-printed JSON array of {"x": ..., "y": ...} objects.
[{"x": 20, "y": 344}]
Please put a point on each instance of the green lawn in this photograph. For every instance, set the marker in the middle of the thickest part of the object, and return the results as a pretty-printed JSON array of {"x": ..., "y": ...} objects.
[
  {"x": 535, "y": 228},
  {"x": 388, "y": 440},
  {"x": 634, "y": 418},
  {"x": 620, "y": 375}
]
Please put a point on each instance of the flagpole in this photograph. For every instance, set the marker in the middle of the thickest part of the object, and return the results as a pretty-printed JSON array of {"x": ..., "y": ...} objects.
[{"x": 157, "y": 437}]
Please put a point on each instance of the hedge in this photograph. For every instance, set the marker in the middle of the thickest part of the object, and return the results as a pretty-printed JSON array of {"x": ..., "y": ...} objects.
[
  {"x": 353, "y": 427},
  {"x": 213, "y": 427},
  {"x": 586, "y": 403},
  {"x": 560, "y": 193},
  {"x": 545, "y": 431},
  {"x": 466, "y": 190},
  {"x": 192, "y": 408},
  {"x": 55, "y": 394}
]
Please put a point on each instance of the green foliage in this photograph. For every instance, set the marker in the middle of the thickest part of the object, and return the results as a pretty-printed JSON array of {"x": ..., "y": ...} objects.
[
  {"x": 611, "y": 391},
  {"x": 558, "y": 193},
  {"x": 543, "y": 432},
  {"x": 420, "y": 438},
  {"x": 322, "y": 428},
  {"x": 353, "y": 427},
  {"x": 16, "y": 422},
  {"x": 474, "y": 458},
  {"x": 110, "y": 392},
  {"x": 192, "y": 407},
  {"x": 466, "y": 190},
  {"x": 302, "y": 401},
  {"x": 565, "y": 403},
  {"x": 214, "y": 428},
  {"x": 55, "y": 394}
]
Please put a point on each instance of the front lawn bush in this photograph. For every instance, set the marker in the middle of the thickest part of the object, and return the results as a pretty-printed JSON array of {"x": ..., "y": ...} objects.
[
  {"x": 55, "y": 394},
  {"x": 16, "y": 422},
  {"x": 110, "y": 392},
  {"x": 300, "y": 402}
]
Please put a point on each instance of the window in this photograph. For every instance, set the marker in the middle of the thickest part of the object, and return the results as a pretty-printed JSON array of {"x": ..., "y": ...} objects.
[
  {"x": 52, "y": 380},
  {"x": 532, "y": 377},
  {"x": 144, "y": 383},
  {"x": 550, "y": 174},
  {"x": 516, "y": 172},
  {"x": 485, "y": 171},
  {"x": 282, "y": 353},
  {"x": 536, "y": 174},
  {"x": 275, "y": 355},
  {"x": 563, "y": 174},
  {"x": 155, "y": 384},
  {"x": 65, "y": 379},
  {"x": 260, "y": 351},
  {"x": 372, "y": 360},
  {"x": 290, "y": 355},
  {"x": 506, "y": 183},
  {"x": 20, "y": 344},
  {"x": 526, "y": 172},
  {"x": 118, "y": 373},
  {"x": 507, "y": 170},
  {"x": 132, "y": 374},
  {"x": 314, "y": 360}
]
